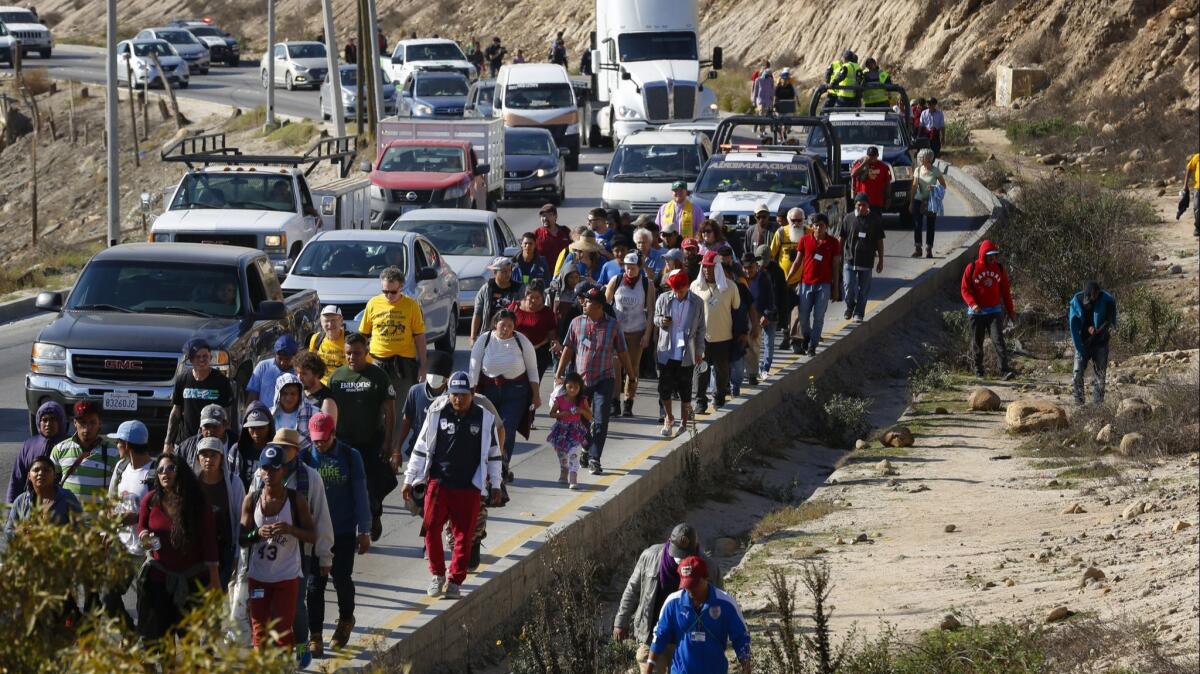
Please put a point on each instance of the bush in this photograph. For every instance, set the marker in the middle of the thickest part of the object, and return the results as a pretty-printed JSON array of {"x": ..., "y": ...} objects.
[
  {"x": 1147, "y": 323},
  {"x": 249, "y": 119},
  {"x": 993, "y": 174},
  {"x": 1057, "y": 126},
  {"x": 37, "y": 82},
  {"x": 1066, "y": 230},
  {"x": 294, "y": 134},
  {"x": 956, "y": 134}
]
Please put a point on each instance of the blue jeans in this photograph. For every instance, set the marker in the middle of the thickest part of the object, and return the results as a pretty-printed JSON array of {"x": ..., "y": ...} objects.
[
  {"x": 856, "y": 285},
  {"x": 737, "y": 375},
  {"x": 601, "y": 394},
  {"x": 300, "y": 626},
  {"x": 768, "y": 347},
  {"x": 1098, "y": 357},
  {"x": 511, "y": 399},
  {"x": 814, "y": 300}
]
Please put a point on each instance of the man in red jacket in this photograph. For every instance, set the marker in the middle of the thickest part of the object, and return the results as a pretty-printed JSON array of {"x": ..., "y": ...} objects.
[
  {"x": 872, "y": 177},
  {"x": 986, "y": 292}
]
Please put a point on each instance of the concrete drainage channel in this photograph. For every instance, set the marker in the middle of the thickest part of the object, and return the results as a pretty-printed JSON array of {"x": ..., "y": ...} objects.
[{"x": 493, "y": 605}]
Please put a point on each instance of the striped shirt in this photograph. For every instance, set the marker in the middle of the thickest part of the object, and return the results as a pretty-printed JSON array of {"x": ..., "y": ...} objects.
[
  {"x": 90, "y": 480},
  {"x": 595, "y": 345}
]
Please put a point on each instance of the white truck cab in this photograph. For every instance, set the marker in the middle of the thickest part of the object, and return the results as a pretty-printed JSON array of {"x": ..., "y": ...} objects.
[
  {"x": 410, "y": 56},
  {"x": 24, "y": 25}
]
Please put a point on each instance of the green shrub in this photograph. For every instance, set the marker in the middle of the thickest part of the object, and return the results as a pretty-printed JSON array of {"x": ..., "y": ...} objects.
[
  {"x": 294, "y": 134},
  {"x": 993, "y": 174},
  {"x": 1057, "y": 126},
  {"x": 1146, "y": 322},
  {"x": 249, "y": 119},
  {"x": 956, "y": 134}
]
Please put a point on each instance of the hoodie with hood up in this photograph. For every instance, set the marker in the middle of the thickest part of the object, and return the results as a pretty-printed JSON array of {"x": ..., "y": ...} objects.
[
  {"x": 245, "y": 453},
  {"x": 35, "y": 446},
  {"x": 299, "y": 417},
  {"x": 985, "y": 285}
]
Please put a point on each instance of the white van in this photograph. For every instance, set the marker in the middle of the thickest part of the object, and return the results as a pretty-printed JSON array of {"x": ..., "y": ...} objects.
[
  {"x": 638, "y": 179},
  {"x": 540, "y": 94}
]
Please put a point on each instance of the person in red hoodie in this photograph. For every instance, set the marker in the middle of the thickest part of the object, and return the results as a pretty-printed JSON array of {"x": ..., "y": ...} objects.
[{"x": 986, "y": 292}]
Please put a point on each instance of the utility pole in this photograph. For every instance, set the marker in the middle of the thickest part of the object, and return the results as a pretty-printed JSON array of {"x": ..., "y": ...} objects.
[
  {"x": 270, "y": 122},
  {"x": 376, "y": 84},
  {"x": 110, "y": 123},
  {"x": 335, "y": 75},
  {"x": 360, "y": 82}
]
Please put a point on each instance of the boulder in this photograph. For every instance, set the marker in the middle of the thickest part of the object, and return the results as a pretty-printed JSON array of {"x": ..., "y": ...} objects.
[
  {"x": 885, "y": 468},
  {"x": 1029, "y": 415},
  {"x": 725, "y": 546},
  {"x": 1059, "y": 614},
  {"x": 897, "y": 436},
  {"x": 950, "y": 528},
  {"x": 1092, "y": 573},
  {"x": 860, "y": 444},
  {"x": 984, "y": 400},
  {"x": 1134, "y": 408},
  {"x": 1132, "y": 444},
  {"x": 1104, "y": 435}
]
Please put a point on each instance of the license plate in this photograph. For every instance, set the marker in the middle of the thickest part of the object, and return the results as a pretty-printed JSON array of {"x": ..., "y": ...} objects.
[
  {"x": 512, "y": 187},
  {"x": 901, "y": 195},
  {"x": 120, "y": 402}
]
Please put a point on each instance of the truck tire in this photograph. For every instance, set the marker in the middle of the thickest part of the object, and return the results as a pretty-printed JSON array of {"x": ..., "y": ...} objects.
[
  {"x": 447, "y": 341},
  {"x": 594, "y": 138}
]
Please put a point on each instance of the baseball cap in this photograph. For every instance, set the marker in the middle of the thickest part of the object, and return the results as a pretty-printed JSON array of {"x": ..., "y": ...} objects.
[
  {"x": 331, "y": 310},
  {"x": 321, "y": 426},
  {"x": 271, "y": 456},
  {"x": 691, "y": 243},
  {"x": 287, "y": 436},
  {"x": 763, "y": 251},
  {"x": 643, "y": 220},
  {"x": 194, "y": 346},
  {"x": 632, "y": 258},
  {"x": 86, "y": 407},
  {"x": 670, "y": 228},
  {"x": 749, "y": 258},
  {"x": 861, "y": 197},
  {"x": 500, "y": 263},
  {"x": 691, "y": 571},
  {"x": 131, "y": 431},
  {"x": 677, "y": 279},
  {"x": 684, "y": 541},
  {"x": 761, "y": 208},
  {"x": 286, "y": 345},
  {"x": 593, "y": 294},
  {"x": 256, "y": 419},
  {"x": 547, "y": 208},
  {"x": 210, "y": 445},
  {"x": 212, "y": 415},
  {"x": 459, "y": 383},
  {"x": 709, "y": 259},
  {"x": 674, "y": 254},
  {"x": 679, "y": 185}
]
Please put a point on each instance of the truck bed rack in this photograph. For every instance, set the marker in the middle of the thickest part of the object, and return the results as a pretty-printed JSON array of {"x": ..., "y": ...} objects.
[
  {"x": 779, "y": 126},
  {"x": 210, "y": 148},
  {"x": 815, "y": 102}
]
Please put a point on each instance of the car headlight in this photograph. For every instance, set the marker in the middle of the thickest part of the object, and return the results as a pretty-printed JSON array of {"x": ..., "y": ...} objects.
[
  {"x": 626, "y": 112},
  {"x": 276, "y": 241},
  {"x": 377, "y": 192},
  {"x": 902, "y": 173},
  {"x": 423, "y": 109},
  {"x": 348, "y": 99},
  {"x": 48, "y": 358},
  {"x": 543, "y": 172},
  {"x": 456, "y": 192},
  {"x": 572, "y": 130},
  {"x": 472, "y": 284},
  {"x": 220, "y": 361}
]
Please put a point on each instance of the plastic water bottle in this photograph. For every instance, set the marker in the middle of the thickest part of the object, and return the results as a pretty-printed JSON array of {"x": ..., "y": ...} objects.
[{"x": 152, "y": 543}]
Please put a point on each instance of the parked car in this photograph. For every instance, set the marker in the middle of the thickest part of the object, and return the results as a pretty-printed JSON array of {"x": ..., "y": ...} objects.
[
  {"x": 6, "y": 46},
  {"x": 134, "y": 62},
  {"x": 534, "y": 165},
  {"x": 411, "y": 56},
  {"x": 118, "y": 337},
  {"x": 25, "y": 26},
  {"x": 297, "y": 64},
  {"x": 643, "y": 167},
  {"x": 349, "y": 77},
  {"x": 480, "y": 99},
  {"x": 222, "y": 47},
  {"x": 186, "y": 45},
  {"x": 469, "y": 239},
  {"x": 434, "y": 94}
]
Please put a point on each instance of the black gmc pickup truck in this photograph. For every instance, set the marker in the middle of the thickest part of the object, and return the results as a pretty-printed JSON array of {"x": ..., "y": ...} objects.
[{"x": 119, "y": 336}]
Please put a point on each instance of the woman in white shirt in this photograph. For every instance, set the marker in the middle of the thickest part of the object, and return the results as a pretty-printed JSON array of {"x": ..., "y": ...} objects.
[
  {"x": 926, "y": 175},
  {"x": 504, "y": 370}
]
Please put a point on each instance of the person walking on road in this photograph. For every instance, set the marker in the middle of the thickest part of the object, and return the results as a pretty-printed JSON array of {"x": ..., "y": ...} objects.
[
  {"x": 762, "y": 293},
  {"x": 51, "y": 425},
  {"x": 198, "y": 387},
  {"x": 42, "y": 493},
  {"x": 986, "y": 292},
  {"x": 631, "y": 294},
  {"x": 785, "y": 93},
  {"x": 680, "y": 214},
  {"x": 416, "y": 404},
  {"x": 498, "y": 293},
  {"x": 925, "y": 176},
  {"x": 861, "y": 235},
  {"x": 762, "y": 231},
  {"x": 783, "y": 251},
  {"x": 495, "y": 54},
  {"x": 933, "y": 123},
  {"x": 528, "y": 264},
  {"x": 86, "y": 460},
  {"x": 782, "y": 302},
  {"x": 262, "y": 380},
  {"x": 571, "y": 414},
  {"x": 655, "y": 577},
  {"x": 1191, "y": 180},
  {"x": 1092, "y": 316},
  {"x": 504, "y": 370},
  {"x": 816, "y": 260},
  {"x": 458, "y": 459},
  {"x": 213, "y": 424},
  {"x": 330, "y": 343},
  {"x": 551, "y": 238},
  {"x": 258, "y": 428},
  {"x": 762, "y": 94},
  {"x": 873, "y": 178},
  {"x": 679, "y": 316},
  {"x": 593, "y": 344},
  {"x": 697, "y": 623},
  {"x": 396, "y": 327},
  {"x": 291, "y": 410},
  {"x": 223, "y": 492},
  {"x": 536, "y": 320},
  {"x": 312, "y": 373},
  {"x": 720, "y": 298}
]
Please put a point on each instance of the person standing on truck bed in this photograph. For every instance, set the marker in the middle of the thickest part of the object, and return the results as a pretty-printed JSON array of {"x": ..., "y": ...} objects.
[
  {"x": 396, "y": 327},
  {"x": 330, "y": 342},
  {"x": 195, "y": 389},
  {"x": 875, "y": 96},
  {"x": 844, "y": 71},
  {"x": 262, "y": 381},
  {"x": 499, "y": 292}
]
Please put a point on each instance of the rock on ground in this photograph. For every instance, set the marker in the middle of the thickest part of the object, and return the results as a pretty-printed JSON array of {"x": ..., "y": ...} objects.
[
  {"x": 1028, "y": 415},
  {"x": 897, "y": 436},
  {"x": 984, "y": 400}
]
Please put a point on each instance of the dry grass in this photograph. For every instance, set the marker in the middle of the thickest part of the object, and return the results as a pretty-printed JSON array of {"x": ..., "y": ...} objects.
[{"x": 791, "y": 516}]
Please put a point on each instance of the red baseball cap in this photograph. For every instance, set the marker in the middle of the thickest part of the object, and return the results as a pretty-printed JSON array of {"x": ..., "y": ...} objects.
[
  {"x": 709, "y": 259},
  {"x": 321, "y": 426},
  {"x": 692, "y": 570},
  {"x": 677, "y": 279},
  {"x": 691, "y": 243}
]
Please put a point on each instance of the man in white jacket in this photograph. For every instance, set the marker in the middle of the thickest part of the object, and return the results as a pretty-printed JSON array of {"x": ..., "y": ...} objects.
[{"x": 458, "y": 458}]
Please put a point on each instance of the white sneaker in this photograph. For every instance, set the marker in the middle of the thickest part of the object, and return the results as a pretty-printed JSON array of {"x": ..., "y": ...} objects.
[
  {"x": 452, "y": 591},
  {"x": 435, "y": 586}
]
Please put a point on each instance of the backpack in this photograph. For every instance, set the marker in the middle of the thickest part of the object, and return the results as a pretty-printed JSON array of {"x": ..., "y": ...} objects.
[{"x": 321, "y": 339}]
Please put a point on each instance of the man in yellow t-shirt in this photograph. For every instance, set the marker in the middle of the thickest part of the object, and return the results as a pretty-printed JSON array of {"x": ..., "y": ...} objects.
[
  {"x": 396, "y": 328},
  {"x": 330, "y": 343},
  {"x": 783, "y": 249},
  {"x": 1191, "y": 181}
]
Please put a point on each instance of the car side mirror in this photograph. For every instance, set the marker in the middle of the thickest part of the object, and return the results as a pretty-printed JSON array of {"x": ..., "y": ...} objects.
[
  {"x": 834, "y": 192},
  {"x": 564, "y": 152},
  {"x": 511, "y": 251},
  {"x": 483, "y": 169},
  {"x": 921, "y": 143},
  {"x": 426, "y": 274},
  {"x": 600, "y": 170},
  {"x": 49, "y": 301},
  {"x": 625, "y": 74},
  {"x": 328, "y": 205},
  {"x": 406, "y": 93},
  {"x": 364, "y": 166},
  {"x": 718, "y": 59},
  {"x": 271, "y": 310}
]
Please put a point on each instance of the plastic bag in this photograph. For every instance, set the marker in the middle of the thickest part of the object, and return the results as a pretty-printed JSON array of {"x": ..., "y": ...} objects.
[{"x": 239, "y": 599}]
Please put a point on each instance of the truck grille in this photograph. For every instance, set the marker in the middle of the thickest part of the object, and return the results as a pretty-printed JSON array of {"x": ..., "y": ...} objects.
[
  {"x": 685, "y": 100},
  {"x": 640, "y": 207},
  {"x": 123, "y": 368},
  {"x": 656, "y": 102},
  {"x": 410, "y": 196},
  {"x": 218, "y": 52},
  {"x": 243, "y": 240},
  {"x": 28, "y": 35}
]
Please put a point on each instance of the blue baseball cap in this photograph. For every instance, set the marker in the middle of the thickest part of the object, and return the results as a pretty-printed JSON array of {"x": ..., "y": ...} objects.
[
  {"x": 195, "y": 345},
  {"x": 271, "y": 457},
  {"x": 286, "y": 345},
  {"x": 459, "y": 383},
  {"x": 132, "y": 432}
]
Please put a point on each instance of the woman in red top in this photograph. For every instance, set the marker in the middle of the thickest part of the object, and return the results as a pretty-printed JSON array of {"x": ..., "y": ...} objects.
[
  {"x": 817, "y": 252},
  {"x": 176, "y": 525},
  {"x": 536, "y": 321}
]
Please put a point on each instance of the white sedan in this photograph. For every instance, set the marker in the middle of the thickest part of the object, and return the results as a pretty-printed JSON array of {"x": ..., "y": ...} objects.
[{"x": 134, "y": 59}]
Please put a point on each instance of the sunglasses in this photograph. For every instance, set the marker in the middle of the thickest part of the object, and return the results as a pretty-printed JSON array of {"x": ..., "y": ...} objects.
[
  {"x": 389, "y": 293},
  {"x": 163, "y": 470}
]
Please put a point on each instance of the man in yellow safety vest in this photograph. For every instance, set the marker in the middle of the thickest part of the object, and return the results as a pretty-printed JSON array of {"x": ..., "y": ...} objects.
[
  {"x": 875, "y": 97},
  {"x": 680, "y": 214},
  {"x": 845, "y": 71}
]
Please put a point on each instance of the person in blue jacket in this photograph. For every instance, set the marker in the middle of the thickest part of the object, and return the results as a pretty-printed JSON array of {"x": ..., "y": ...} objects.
[
  {"x": 696, "y": 623},
  {"x": 1093, "y": 315}
]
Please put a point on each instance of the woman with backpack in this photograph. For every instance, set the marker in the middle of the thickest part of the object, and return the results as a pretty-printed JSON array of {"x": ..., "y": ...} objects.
[
  {"x": 504, "y": 370},
  {"x": 632, "y": 297}
]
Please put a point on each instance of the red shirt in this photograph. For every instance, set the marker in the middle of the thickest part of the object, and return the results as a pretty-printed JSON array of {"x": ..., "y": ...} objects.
[
  {"x": 549, "y": 246},
  {"x": 818, "y": 258},
  {"x": 537, "y": 327},
  {"x": 874, "y": 180},
  {"x": 202, "y": 549}
]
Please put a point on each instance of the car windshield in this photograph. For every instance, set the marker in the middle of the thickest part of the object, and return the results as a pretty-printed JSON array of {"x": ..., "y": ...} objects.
[
  {"x": 306, "y": 51},
  {"x": 451, "y": 238},
  {"x": 235, "y": 190},
  {"x": 442, "y": 86},
  {"x": 521, "y": 143},
  {"x": 486, "y": 94},
  {"x": 160, "y": 48},
  {"x": 443, "y": 51},
  {"x": 18, "y": 17},
  {"x": 775, "y": 177},
  {"x": 206, "y": 31},
  {"x": 350, "y": 77},
  {"x": 884, "y": 134},
  {"x": 349, "y": 259},
  {"x": 540, "y": 96},
  {"x": 150, "y": 287},
  {"x": 672, "y": 46},
  {"x": 423, "y": 159},
  {"x": 654, "y": 163},
  {"x": 176, "y": 36}
]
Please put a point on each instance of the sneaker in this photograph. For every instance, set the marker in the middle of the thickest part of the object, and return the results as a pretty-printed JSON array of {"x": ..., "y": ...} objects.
[
  {"x": 453, "y": 591},
  {"x": 572, "y": 480},
  {"x": 303, "y": 657},
  {"x": 1009, "y": 375},
  {"x": 595, "y": 468},
  {"x": 627, "y": 410},
  {"x": 701, "y": 409},
  {"x": 847, "y": 314},
  {"x": 376, "y": 527},
  {"x": 316, "y": 646},
  {"x": 341, "y": 634},
  {"x": 473, "y": 562},
  {"x": 615, "y": 409},
  {"x": 665, "y": 431},
  {"x": 812, "y": 350},
  {"x": 435, "y": 586},
  {"x": 752, "y": 381},
  {"x": 929, "y": 252}
]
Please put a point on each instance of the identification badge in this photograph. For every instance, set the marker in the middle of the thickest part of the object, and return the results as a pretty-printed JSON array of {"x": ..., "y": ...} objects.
[
  {"x": 696, "y": 637},
  {"x": 818, "y": 257},
  {"x": 862, "y": 235},
  {"x": 586, "y": 343},
  {"x": 258, "y": 593},
  {"x": 712, "y": 301}
]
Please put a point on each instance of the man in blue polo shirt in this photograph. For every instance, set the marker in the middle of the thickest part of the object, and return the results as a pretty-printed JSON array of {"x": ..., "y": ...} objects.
[{"x": 695, "y": 624}]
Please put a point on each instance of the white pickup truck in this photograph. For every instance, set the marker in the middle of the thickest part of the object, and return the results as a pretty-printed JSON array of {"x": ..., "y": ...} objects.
[
  {"x": 410, "y": 56},
  {"x": 257, "y": 201}
]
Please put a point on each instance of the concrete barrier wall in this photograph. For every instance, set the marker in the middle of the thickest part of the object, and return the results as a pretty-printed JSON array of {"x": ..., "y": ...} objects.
[{"x": 511, "y": 582}]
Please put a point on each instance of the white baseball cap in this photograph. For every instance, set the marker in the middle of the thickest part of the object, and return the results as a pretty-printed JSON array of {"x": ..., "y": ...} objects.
[
  {"x": 331, "y": 310},
  {"x": 632, "y": 258}
]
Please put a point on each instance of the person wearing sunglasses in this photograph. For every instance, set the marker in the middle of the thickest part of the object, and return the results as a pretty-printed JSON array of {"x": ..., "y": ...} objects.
[{"x": 396, "y": 327}]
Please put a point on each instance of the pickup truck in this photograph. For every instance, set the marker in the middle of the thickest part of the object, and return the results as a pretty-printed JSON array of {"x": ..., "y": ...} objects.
[
  {"x": 118, "y": 338},
  {"x": 435, "y": 54},
  {"x": 434, "y": 163},
  {"x": 257, "y": 201}
]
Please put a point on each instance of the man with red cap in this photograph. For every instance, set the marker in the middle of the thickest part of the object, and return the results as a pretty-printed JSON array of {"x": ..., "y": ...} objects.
[
  {"x": 695, "y": 625},
  {"x": 691, "y": 257},
  {"x": 679, "y": 317},
  {"x": 721, "y": 298}
]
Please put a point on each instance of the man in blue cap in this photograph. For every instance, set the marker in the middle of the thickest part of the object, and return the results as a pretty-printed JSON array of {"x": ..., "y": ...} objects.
[
  {"x": 130, "y": 482},
  {"x": 262, "y": 380}
]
